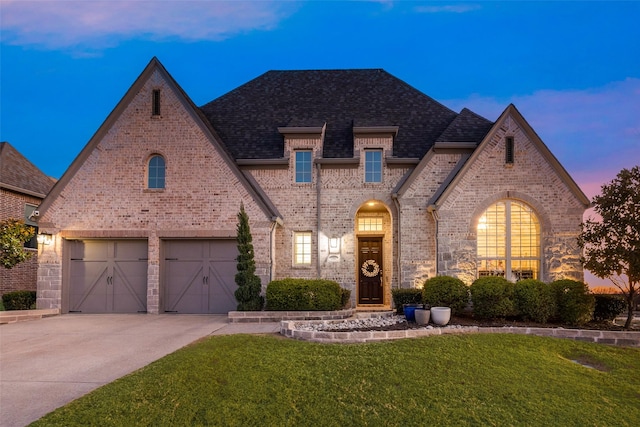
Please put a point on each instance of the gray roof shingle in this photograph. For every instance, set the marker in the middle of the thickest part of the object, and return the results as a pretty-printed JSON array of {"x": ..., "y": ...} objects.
[
  {"x": 248, "y": 117},
  {"x": 18, "y": 173}
]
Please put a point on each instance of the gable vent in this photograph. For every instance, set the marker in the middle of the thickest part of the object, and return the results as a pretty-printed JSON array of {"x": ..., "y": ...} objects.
[
  {"x": 155, "y": 103},
  {"x": 509, "y": 151}
]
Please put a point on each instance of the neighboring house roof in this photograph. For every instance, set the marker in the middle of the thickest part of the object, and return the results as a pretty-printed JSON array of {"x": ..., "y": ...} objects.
[
  {"x": 20, "y": 175},
  {"x": 248, "y": 117},
  {"x": 257, "y": 194}
]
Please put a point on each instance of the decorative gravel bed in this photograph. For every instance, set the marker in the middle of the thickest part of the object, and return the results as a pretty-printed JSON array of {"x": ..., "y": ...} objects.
[{"x": 390, "y": 323}]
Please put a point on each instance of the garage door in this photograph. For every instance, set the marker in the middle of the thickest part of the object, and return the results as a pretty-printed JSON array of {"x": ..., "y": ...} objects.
[
  {"x": 108, "y": 276},
  {"x": 199, "y": 276}
]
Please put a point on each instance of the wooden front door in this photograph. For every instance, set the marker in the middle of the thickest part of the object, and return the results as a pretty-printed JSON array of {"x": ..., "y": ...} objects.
[{"x": 370, "y": 270}]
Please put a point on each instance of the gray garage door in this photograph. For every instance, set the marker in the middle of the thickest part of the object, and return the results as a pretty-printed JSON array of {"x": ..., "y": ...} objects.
[
  {"x": 199, "y": 276},
  {"x": 108, "y": 276}
]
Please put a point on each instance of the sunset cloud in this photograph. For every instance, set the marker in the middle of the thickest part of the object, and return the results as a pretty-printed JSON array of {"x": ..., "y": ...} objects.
[
  {"x": 593, "y": 132},
  {"x": 96, "y": 23}
]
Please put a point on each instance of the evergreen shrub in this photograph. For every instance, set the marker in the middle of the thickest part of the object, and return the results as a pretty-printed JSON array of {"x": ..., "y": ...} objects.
[
  {"x": 445, "y": 291},
  {"x": 304, "y": 295},
  {"x": 534, "y": 300},
  {"x": 403, "y": 296},
  {"x": 492, "y": 297},
  {"x": 575, "y": 304},
  {"x": 19, "y": 300},
  {"x": 608, "y": 306}
]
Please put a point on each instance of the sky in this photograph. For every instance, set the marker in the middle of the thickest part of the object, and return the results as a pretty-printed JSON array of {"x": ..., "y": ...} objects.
[{"x": 572, "y": 68}]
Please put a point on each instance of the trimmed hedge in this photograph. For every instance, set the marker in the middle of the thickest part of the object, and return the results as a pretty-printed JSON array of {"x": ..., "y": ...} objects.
[
  {"x": 304, "y": 295},
  {"x": 19, "y": 300},
  {"x": 534, "y": 300},
  {"x": 492, "y": 297},
  {"x": 445, "y": 291},
  {"x": 575, "y": 304},
  {"x": 403, "y": 296},
  {"x": 608, "y": 306}
]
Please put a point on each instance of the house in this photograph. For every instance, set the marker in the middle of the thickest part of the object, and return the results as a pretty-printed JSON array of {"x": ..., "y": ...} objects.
[
  {"x": 347, "y": 175},
  {"x": 22, "y": 188}
]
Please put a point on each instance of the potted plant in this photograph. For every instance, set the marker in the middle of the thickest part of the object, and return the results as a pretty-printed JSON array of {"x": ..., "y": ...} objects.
[
  {"x": 440, "y": 315},
  {"x": 422, "y": 315},
  {"x": 410, "y": 311}
]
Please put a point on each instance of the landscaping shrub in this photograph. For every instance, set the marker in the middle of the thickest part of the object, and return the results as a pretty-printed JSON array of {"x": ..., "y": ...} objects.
[
  {"x": 574, "y": 303},
  {"x": 304, "y": 295},
  {"x": 445, "y": 291},
  {"x": 403, "y": 296},
  {"x": 534, "y": 300},
  {"x": 608, "y": 306},
  {"x": 492, "y": 297},
  {"x": 19, "y": 300}
]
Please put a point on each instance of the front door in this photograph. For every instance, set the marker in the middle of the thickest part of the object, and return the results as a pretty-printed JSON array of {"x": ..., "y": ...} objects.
[{"x": 370, "y": 270}]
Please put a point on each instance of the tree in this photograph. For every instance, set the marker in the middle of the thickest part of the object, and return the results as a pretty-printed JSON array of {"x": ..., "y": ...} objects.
[
  {"x": 611, "y": 246},
  {"x": 14, "y": 234},
  {"x": 249, "y": 285}
]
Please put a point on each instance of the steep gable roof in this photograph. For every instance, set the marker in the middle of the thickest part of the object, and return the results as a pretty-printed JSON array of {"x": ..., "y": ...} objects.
[
  {"x": 248, "y": 117},
  {"x": 154, "y": 65},
  {"x": 20, "y": 175},
  {"x": 511, "y": 111}
]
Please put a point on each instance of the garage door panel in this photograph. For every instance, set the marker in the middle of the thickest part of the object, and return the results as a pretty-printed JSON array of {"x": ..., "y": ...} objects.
[
  {"x": 184, "y": 282},
  {"x": 199, "y": 276},
  {"x": 129, "y": 287},
  {"x": 108, "y": 276}
]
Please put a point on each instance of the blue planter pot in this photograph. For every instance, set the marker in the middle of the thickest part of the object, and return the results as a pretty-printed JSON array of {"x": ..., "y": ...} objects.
[{"x": 410, "y": 311}]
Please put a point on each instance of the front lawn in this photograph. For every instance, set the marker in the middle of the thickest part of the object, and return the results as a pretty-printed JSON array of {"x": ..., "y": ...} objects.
[{"x": 483, "y": 379}]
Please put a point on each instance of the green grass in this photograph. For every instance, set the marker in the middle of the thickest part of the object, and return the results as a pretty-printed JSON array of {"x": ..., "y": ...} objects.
[{"x": 482, "y": 379}]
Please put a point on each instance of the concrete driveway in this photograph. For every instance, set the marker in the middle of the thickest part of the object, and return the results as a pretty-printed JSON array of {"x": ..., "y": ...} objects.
[{"x": 47, "y": 363}]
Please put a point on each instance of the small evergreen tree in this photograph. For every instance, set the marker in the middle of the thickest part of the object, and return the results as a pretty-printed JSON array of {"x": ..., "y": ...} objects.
[
  {"x": 14, "y": 234},
  {"x": 249, "y": 286}
]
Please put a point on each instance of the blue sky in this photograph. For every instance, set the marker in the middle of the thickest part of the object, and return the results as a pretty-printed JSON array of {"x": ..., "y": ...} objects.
[{"x": 571, "y": 68}]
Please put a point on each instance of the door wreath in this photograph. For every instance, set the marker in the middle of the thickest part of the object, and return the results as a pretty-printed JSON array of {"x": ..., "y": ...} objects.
[{"x": 370, "y": 268}]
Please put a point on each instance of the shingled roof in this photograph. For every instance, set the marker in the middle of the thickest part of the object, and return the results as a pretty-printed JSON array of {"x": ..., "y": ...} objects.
[
  {"x": 19, "y": 174},
  {"x": 248, "y": 117}
]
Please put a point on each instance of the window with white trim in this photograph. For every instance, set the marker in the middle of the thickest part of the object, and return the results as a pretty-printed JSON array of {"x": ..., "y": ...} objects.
[
  {"x": 370, "y": 224},
  {"x": 373, "y": 166},
  {"x": 508, "y": 242},
  {"x": 302, "y": 248},
  {"x": 156, "y": 171},
  {"x": 303, "y": 166}
]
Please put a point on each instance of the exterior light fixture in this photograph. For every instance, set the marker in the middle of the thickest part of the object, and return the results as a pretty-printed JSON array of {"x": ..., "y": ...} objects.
[
  {"x": 45, "y": 239},
  {"x": 334, "y": 245}
]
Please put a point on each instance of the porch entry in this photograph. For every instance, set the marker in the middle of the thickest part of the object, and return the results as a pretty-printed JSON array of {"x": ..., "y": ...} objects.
[{"x": 370, "y": 289}]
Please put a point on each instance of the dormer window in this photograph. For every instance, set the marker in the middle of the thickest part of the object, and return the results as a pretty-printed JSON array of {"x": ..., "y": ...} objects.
[
  {"x": 303, "y": 166},
  {"x": 155, "y": 102},
  {"x": 373, "y": 166},
  {"x": 509, "y": 150}
]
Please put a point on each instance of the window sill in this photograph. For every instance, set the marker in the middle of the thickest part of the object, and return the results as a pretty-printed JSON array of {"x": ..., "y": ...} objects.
[{"x": 154, "y": 190}]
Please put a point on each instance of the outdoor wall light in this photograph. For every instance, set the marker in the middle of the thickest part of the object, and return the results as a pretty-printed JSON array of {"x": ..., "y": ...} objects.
[
  {"x": 45, "y": 239},
  {"x": 334, "y": 245}
]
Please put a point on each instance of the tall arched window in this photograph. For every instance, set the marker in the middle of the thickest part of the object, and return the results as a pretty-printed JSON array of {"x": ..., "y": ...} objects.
[
  {"x": 156, "y": 172},
  {"x": 509, "y": 241}
]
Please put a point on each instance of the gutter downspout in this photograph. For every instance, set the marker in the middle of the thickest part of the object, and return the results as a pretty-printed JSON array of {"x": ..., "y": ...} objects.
[
  {"x": 434, "y": 213},
  {"x": 272, "y": 239},
  {"x": 318, "y": 185},
  {"x": 394, "y": 196}
]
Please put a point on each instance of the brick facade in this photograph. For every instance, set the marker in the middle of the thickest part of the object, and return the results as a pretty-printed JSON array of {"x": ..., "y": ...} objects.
[
  {"x": 429, "y": 207},
  {"x": 22, "y": 277}
]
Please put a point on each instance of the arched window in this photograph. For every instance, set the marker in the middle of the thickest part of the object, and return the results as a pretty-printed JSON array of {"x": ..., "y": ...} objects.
[
  {"x": 156, "y": 172},
  {"x": 509, "y": 241}
]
